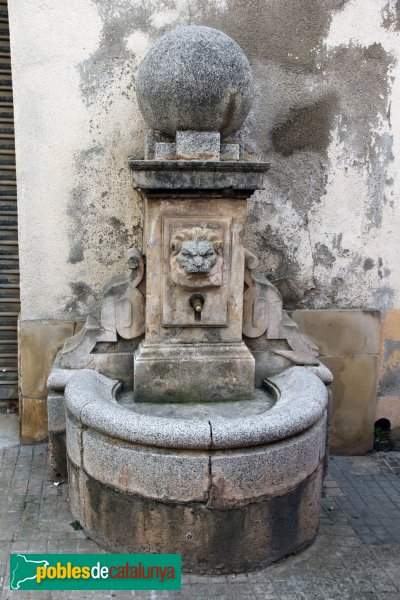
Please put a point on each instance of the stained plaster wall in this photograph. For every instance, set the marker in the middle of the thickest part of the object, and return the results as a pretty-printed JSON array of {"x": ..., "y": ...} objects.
[{"x": 326, "y": 115}]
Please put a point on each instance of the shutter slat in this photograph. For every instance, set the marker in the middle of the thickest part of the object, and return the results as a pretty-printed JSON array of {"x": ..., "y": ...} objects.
[{"x": 9, "y": 264}]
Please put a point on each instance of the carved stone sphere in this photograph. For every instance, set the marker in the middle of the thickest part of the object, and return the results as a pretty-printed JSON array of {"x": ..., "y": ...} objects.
[{"x": 194, "y": 78}]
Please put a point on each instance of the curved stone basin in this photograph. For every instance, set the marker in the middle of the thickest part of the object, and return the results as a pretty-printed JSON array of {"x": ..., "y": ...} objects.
[
  {"x": 262, "y": 401},
  {"x": 230, "y": 492}
]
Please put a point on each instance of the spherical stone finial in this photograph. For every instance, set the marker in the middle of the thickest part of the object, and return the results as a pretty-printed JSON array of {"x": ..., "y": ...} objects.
[{"x": 194, "y": 78}]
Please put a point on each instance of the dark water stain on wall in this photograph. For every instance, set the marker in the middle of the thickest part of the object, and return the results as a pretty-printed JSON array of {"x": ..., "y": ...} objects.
[
  {"x": 102, "y": 70},
  {"x": 76, "y": 210},
  {"x": 81, "y": 295},
  {"x": 383, "y": 297},
  {"x": 287, "y": 32},
  {"x": 369, "y": 264},
  {"x": 362, "y": 75},
  {"x": 323, "y": 256},
  {"x": 302, "y": 93},
  {"x": 79, "y": 207},
  {"x": 307, "y": 128},
  {"x": 389, "y": 383},
  {"x": 391, "y": 16}
]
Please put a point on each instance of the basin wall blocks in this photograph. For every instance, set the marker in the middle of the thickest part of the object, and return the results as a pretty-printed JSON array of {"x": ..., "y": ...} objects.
[
  {"x": 192, "y": 412},
  {"x": 230, "y": 495}
]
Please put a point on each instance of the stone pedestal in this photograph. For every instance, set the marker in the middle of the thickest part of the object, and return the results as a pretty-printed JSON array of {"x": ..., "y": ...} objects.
[
  {"x": 195, "y": 372},
  {"x": 195, "y": 216}
]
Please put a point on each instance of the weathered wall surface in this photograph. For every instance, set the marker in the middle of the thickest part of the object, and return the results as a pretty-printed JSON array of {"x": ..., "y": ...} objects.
[{"x": 326, "y": 115}]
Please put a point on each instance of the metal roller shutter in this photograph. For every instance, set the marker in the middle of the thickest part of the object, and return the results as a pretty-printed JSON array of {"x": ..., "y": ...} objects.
[{"x": 9, "y": 267}]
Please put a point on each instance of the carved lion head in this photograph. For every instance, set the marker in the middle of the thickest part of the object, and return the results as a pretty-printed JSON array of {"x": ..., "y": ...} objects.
[{"x": 196, "y": 250}]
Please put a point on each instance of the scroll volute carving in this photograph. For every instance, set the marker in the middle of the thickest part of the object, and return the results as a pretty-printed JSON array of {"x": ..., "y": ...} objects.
[
  {"x": 123, "y": 306},
  {"x": 262, "y": 303},
  {"x": 263, "y": 314}
]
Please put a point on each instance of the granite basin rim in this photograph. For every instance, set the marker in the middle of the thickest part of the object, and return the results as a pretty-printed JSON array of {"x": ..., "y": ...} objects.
[{"x": 302, "y": 401}]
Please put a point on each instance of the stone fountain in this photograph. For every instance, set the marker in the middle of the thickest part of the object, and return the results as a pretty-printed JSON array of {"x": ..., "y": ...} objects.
[{"x": 192, "y": 412}]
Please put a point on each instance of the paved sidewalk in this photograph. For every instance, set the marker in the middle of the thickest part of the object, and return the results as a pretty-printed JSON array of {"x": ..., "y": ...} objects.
[{"x": 356, "y": 555}]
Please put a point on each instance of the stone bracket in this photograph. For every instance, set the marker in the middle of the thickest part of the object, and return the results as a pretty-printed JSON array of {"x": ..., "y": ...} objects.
[{"x": 265, "y": 319}]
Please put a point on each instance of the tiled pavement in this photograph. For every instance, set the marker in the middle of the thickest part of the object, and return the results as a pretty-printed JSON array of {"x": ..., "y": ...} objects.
[{"x": 356, "y": 554}]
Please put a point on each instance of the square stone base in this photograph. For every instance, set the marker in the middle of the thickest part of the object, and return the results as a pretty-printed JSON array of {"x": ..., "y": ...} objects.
[{"x": 193, "y": 373}]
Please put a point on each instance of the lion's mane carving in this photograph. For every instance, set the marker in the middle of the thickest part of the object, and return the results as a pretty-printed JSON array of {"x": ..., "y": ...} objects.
[{"x": 196, "y": 257}]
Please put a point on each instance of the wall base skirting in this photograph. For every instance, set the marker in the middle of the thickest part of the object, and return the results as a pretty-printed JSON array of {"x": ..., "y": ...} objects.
[{"x": 352, "y": 347}]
